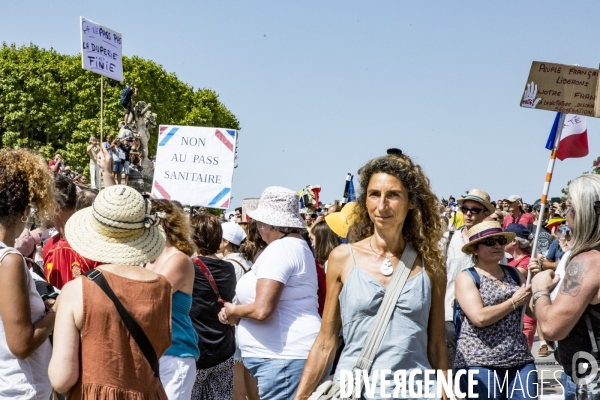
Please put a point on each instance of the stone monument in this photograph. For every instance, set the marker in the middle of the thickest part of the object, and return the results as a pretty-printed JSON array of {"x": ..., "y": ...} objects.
[{"x": 140, "y": 122}]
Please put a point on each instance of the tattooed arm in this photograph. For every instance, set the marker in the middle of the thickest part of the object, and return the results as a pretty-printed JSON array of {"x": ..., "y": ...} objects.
[{"x": 579, "y": 288}]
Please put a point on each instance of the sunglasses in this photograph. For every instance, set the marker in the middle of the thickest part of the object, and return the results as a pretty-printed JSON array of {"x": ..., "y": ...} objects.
[
  {"x": 473, "y": 210},
  {"x": 597, "y": 207},
  {"x": 492, "y": 241}
]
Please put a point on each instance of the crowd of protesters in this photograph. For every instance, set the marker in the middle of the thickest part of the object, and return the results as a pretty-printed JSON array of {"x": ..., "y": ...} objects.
[{"x": 111, "y": 295}]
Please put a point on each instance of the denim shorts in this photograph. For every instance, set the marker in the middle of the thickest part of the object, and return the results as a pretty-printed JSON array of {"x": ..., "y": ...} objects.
[
  {"x": 118, "y": 167},
  {"x": 126, "y": 167},
  {"x": 278, "y": 378}
]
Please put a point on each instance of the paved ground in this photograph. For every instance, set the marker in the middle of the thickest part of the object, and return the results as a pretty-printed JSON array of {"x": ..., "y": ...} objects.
[{"x": 548, "y": 374}]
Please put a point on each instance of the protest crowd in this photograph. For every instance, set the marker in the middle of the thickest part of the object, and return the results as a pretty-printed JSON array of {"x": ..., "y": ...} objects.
[{"x": 111, "y": 294}]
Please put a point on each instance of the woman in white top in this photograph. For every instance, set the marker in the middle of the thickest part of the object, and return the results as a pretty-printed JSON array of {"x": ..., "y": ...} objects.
[
  {"x": 25, "y": 321},
  {"x": 233, "y": 236},
  {"x": 244, "y": 385},
  {"x": 277, "y": 315}
]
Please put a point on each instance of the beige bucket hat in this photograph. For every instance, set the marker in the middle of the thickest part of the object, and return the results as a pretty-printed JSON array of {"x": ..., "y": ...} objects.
[
  {"x": 479, "y": 196},
  {"x": 119, "y": 228}
]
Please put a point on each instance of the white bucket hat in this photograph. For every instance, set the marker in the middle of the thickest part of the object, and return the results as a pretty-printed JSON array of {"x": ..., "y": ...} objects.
[
  {"x": 280, "y": 207},
  {"x": 233, "y": 233},
  {"x": 119, "y": 228}
]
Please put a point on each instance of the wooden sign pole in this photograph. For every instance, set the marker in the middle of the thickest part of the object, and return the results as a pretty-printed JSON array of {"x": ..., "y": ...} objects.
[{"x": 101, "y": 107}]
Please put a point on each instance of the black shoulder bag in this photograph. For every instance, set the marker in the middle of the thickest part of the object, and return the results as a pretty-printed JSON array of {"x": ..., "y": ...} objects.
[{"x": 131, "y": 324}]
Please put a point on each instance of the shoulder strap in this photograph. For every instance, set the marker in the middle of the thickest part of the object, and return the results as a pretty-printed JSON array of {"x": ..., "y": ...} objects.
[
  {"x": 235, "y": 261},
  {"x": 514, "y": 273},
  {"x": 388, "y": 304},
  {"x": 352, "y": 254},
  {"x": 590, "y": 330},
  {"x": 475, "y": 276},
  {"x": 205, "y": 271},
  {"x": 131, "y": 324}
]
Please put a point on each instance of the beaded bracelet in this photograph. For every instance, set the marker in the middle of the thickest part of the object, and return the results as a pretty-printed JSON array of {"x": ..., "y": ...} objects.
[{"x": 513, "y": 304}]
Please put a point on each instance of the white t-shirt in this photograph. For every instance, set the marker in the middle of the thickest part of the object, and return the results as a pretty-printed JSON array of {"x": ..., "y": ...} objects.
[
  {"x": 560, "y": 270},
  {"x": 456, "y": 262},
  {"x": 240, "y": 264},
  {"x": 293, "y": 327}
]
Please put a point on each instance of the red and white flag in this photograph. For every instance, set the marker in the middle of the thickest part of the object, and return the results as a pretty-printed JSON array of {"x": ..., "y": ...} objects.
[{"x": 573, "y": 141}]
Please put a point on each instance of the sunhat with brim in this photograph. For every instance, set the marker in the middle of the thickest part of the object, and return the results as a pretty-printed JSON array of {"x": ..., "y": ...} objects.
[
  {"x": 340, "y": 222},
  {"x": 480, "y": 197},
  {"x": 478, "y": 233},
  {"x": 279, "y": 206},
  {"x": 119, "y": 228},
  {"x": 555, "y": 222}
]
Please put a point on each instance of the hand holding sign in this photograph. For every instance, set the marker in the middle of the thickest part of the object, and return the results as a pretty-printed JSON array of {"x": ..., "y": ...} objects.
[{"x": 529, "y": 100}]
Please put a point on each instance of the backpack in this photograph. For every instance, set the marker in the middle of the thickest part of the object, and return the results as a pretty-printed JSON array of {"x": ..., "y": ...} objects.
[
  {"x": 514, "y": 274},
  {"x": 123, "y": 98}
]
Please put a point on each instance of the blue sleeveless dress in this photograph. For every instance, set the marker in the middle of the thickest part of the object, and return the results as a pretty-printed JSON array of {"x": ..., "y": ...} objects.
[{"x": 404, "y": 345}]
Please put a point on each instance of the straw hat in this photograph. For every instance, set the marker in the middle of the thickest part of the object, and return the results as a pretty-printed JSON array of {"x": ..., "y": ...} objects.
[
  {"x": 118, "y": 228},
  {"x": 479, "y": 196},
  {"x": 340, "y": 221},
  {"x": 478, "y": 233},
  {"x": 279, "y": 207}
]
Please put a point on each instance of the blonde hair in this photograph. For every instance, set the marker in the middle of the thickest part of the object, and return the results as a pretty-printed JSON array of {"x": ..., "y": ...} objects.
[
  {"x": 423, "y": 226},
  {"x": 176, "y": 225},
  {"x": 583, "y": 192}
]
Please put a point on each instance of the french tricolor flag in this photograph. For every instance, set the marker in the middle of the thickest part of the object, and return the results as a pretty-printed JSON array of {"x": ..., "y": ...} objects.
[{"x": 573, "y": 141}]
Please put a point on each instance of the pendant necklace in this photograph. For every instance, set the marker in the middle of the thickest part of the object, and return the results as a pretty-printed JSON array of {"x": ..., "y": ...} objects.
[{"x": 386, "y": 267}]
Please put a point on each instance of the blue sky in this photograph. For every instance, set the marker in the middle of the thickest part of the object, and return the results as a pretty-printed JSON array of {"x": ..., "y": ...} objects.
[{"x": 322, "y": 87}]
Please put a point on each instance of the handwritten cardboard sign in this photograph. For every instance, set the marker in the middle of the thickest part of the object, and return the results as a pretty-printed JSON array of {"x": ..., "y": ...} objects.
[
  {"x": 101, "y": 50},
  {"x": 194, "y": 165},
  {"x": 565, "y": 88}
]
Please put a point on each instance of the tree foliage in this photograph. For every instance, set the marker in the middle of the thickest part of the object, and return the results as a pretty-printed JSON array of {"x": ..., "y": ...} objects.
[{"x": 48, "y": 103}]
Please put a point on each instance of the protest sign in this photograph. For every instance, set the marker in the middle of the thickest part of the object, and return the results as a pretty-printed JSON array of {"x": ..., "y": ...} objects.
[
  {"x": 565, "y": 88},
  {"x": 101, "y": 50},
  {"x": 194, "y": 165}
]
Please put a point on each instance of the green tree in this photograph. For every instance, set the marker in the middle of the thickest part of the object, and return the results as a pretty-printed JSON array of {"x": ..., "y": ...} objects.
[{"x": 48, "y": 103}]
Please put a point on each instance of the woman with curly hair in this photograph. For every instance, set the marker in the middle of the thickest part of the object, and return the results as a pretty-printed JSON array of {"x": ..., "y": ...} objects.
[
  {"x": 178, "y": 364},
  {"x": 25, "y": 321},
  {"x": 396, "y": 206}
]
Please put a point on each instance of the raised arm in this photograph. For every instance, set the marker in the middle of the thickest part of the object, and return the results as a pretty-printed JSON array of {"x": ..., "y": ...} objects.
[
  {"x": 323, "y": 349},
  {"x": 105, "y": 163}
]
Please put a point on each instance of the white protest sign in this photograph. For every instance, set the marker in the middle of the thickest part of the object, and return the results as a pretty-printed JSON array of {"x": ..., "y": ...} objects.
[
  {"x": 194, "y": 165},
  {"x": 101, "y": 50}
]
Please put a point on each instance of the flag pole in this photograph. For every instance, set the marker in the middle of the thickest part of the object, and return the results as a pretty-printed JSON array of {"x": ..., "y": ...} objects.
[
  {"x": 540, "y": 222},
  {"x": 546, "y": 189}
]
